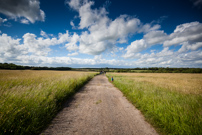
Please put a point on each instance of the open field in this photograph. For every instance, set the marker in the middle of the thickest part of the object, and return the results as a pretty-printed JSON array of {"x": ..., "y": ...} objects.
[
  {"x": 30, "y": 99},
  {"x": 170, "y": 102}
]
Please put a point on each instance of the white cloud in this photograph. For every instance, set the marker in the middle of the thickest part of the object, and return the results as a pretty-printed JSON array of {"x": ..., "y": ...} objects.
[
  {"x": 72, "y": 45},
  {"x": 148, "y": 27},
  {"x": 155, "y": 37},
  {"x": 188, "y": 32},
  {"x": 106, "y": 33},
  {"x": 33, "y": 51},
  {"x": 169, "y": 58},
  {"x": 2, "y": 20},
  {"x": 74, "y": 4},
  {"x": 73, "y": 54},
  {"x": 63, "y": 37},
  {"x": 182, "y": 27},
  {"x": 68, "y": 61},
  {"x": 103, "y": 33},
  {"x": 189, "y": 35},
  {"x": 24, "y": 21},
  {"x": 43, "y": 34},
  {"x": 134, "y": 48},
  {"x": 29, "y": 9},
  {"x": 9, "y": 47},
  {"x": 38, "y": 46},
  {"x": 100, "y": 34},
  {"x": 72, "y": 24},
  {"x": 164, "y": 58},
  {"x": 186, "y": 47},
  {"x": 88, "y": 16}
]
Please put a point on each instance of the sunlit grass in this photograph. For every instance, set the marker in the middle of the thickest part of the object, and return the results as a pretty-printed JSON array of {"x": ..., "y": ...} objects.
[
  {"x": 30, "y": 99},
  {"x": 171, "y": 102}
]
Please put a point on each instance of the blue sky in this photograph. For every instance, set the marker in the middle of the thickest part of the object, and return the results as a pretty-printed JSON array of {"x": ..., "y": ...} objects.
[{"x": 101, "y": 33}]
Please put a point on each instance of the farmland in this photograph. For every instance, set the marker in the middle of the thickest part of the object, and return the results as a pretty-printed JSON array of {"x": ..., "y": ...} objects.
[
  {"x": 30, "y": 99},
  {"x": 170, "y": 102}
]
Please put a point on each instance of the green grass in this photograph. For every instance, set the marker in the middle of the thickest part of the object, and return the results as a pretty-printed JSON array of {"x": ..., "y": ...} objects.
[
  {"x": 30, "y": 99},
  {"x": 169, "y": 111}
]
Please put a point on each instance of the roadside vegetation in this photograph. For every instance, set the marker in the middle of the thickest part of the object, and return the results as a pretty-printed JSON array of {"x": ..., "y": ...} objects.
[
  {"x": 30, "y": 99},
  {"x": 172, "y": 103}
]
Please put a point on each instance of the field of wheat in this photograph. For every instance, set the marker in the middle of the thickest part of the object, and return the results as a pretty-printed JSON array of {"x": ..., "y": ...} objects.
[
  {"x": 30, "y": 99},
  {"x": 170, "y": 102}
]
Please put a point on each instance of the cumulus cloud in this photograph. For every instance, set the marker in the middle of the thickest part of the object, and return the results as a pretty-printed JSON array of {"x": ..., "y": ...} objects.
[
  {"x": 186, "y": 47},
  {"x": 37, "y": 46},
  {"x": 155, "y": 37},
  {"x": 148, "y": 27},
  {"x": 33, "y": 51},
  {"x": 188, "y": 32},
  {"x": 169, "y": 58},
  {"x": 189, "y": 35},
  {"x": 31, "y": 44},
  {"x": 134, "y": 48},
  {"x": 74, "y": 4},
  {"x": 40, "y": 46},
  {"x": 29, "y": 9},
  {"x": 103, "y": 33},
  {"x": 72, "y": 44}
]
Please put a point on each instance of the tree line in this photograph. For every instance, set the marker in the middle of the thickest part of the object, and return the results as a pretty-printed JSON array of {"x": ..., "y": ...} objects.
[
  {"x": 11, "y": 66},
  {"x": 159, "y": 70}
]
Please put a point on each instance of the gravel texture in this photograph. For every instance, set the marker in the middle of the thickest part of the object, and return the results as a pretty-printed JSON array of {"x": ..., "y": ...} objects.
[{"x": 99, "y": 109}]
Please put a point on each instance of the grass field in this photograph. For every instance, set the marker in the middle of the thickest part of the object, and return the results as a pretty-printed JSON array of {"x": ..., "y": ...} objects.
[
  {"x": 30, "y": 99},
  {"x": 172, "y": 103}
]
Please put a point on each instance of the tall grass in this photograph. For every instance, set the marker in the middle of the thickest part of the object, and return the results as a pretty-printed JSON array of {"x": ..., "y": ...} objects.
[
  {"x": 30, "y": 99},
  {"x": 170, "y": 102}
]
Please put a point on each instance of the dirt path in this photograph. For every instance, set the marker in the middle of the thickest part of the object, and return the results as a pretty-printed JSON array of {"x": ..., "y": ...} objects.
[{"x": 99, "y": 109}]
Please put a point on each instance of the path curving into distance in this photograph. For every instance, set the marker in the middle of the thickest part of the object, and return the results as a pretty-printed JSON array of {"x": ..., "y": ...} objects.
[{"x": 99, "y": 109}]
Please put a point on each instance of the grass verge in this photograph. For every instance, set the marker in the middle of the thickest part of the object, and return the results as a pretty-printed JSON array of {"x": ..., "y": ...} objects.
[
  {"x": 169, "y": 111},
  {"x": 30, "y": 99}
]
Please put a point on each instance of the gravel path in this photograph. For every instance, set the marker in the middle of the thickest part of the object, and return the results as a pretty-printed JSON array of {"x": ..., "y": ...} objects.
[{"x": 99, "y": 109}]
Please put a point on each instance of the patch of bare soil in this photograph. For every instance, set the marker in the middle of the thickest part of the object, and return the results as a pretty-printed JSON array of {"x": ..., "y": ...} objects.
[{"x": 99, "y": 109}]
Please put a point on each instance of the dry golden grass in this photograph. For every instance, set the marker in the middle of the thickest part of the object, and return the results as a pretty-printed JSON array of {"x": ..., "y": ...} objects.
[
  {"x": 186, "y": 83},
  {"x": 20, "y": 81},
  {"x": 30, "y": 99}
]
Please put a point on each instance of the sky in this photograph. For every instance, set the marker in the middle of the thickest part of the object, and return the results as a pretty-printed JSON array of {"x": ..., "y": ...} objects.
[{"x": 101, "y": 33}]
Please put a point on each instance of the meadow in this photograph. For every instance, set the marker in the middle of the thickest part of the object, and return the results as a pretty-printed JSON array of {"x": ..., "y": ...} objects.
[
  {"x": 30, "y": 99},
  {"x": 172, "y": 103}
]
